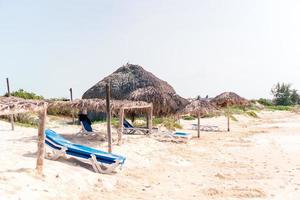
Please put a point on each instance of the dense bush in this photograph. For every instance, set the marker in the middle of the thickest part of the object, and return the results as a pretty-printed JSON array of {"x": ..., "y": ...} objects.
[
  {"x": 24, "y": 119},
  {"x": 284, "y": 95},
  {"x": 280, "y": 108},
  {"x": 188, "y": 117},
  {"x": 61, "y": 112},
  {"x": 168, "y": 122},
  {"x": 25, "y": 95},
  {"x": 265, "y": 102}
]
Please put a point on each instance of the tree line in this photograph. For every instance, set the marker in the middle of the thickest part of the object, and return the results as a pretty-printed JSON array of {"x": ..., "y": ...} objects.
[{"x": 283, "y": 95}]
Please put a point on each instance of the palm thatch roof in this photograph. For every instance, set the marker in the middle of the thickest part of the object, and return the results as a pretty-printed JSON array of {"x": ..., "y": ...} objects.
[
  {"x": 99, "y": 105},
  {"x": 132, "y": 82},
  {"x": 14, "y": 105},
  {"x": 229, "y": 99},
  {"x": 199, "y": 107}
]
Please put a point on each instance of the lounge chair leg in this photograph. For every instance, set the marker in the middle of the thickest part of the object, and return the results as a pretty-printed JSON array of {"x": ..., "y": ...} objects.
[
  {"x": 99, "y": 168},
  {"x": 56, "y": 154},
  {"x": 93, "y": 161}
]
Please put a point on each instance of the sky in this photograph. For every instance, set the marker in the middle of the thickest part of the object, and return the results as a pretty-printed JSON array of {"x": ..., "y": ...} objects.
[{"x": 200, "y": 47}]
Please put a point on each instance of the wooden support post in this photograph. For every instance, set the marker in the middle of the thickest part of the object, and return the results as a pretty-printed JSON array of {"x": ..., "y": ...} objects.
[
  {"x": 147, "y": 119},
  {"x": 8, "y": 88},
  {"x": 71, "y": 94},
  {"x": 108, "y": 113},
  {"x": 41, "y": 141},
  {"x": 150, "y": 116},
  {"x": 11, "y": 116},
  {"x": 178, "y": 119},
  {"x": 228, "y": 119},
  {"x": 198, "y": 125},
  {"x": 71, "y": 98},
  {"x": 121, "y": 126},
  {"x": 228, "y": 122}
]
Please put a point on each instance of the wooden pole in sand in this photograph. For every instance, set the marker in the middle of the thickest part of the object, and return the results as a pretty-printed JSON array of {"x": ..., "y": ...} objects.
[
  {"x": 71, "y": 98},
  {"x": 121, "y": 126},
  {"x": 41, "y": 141},
  {"x": 198, "y": 125},
  {"x": 228, "y": 119},
  {"x": 150, "y": 118},
  {"x": 11, "y": 116},
  {"x": 108, "y": 113}
]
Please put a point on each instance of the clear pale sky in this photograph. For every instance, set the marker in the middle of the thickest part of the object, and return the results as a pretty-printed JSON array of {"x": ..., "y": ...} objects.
[{"x": 199, "y": 47}]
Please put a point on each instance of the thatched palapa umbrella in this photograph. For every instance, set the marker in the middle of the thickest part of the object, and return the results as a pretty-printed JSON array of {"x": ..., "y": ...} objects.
[
  {"x": 198, "y": 108},
  {"x": 132, "y": 82},
  {"x": 227, "y": 99}
]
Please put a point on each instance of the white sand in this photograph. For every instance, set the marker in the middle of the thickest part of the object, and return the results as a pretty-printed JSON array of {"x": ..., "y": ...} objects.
[{"x": 259, "y": 159}]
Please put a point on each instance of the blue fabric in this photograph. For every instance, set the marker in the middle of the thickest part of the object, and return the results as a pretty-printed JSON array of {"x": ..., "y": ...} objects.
[
  {"x": 126, "y": 124},
  {"x": 181, "y": 134},
  {"x": 80, "y": 150},
  {"x": 87, "y": 126}
]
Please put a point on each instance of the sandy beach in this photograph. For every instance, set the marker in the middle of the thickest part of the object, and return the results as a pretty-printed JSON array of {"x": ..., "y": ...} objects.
[{"x": 259, "y": 159}]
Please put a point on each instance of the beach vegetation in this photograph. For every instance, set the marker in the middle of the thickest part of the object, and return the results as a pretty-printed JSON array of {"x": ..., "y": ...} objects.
[
  {"x": 169, "y": 123},
  {"x": 24, "y": 119},
  {"x": 284, "y": 95},
  {"x": 25, "y": 95},
  {"x": 188, "y": 118},
  {"x": 265, "y": 102}
]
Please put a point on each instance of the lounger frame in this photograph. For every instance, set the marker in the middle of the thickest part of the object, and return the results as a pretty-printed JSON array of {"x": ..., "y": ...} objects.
[{"x": 99, "y": 167}]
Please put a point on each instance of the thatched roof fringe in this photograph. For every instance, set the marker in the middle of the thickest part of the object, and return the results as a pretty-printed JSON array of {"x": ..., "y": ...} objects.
[
  {"x": 99, "y": 105},
  {"x": 199, "y": 107},
  {"x": 229, "y": 99},
  {"x": 14, "y": 105}
]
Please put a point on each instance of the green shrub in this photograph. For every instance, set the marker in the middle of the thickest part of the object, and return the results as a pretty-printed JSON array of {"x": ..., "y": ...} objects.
[
  {"x": 284, "y": 95},
  {"x": 24, "y": 119},
  {"x": 233, "y": 118},
  {"x": 139, "y": 123},
  {"x": 115, "y": 122},
  {"x": 61, "y": 111},
  {"x": 157, "y": 121},
  {"x": 265, "y": 102},
  {"x": 25, "y": 95},
  {"x": 188, "y": 117},
  {"x": 168, "y": 122},
  {"x": 280, "y": 108},
  {"x": 59, "y": 99},
  {"x": 251, "y": 113},
  {"x": 171, "y": 124}
]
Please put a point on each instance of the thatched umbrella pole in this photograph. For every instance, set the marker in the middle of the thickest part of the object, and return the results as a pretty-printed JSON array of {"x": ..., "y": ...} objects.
[
  {"x": 228, "y": 119},
  {"x": 121, "y": 126},
  {"x": 71, "y": 99},
  {"x": 227, "y": 99},
  {"x": 41, "y": 141},
  {"x": 198, "y": 124},
  {"x": 151, "y": 119},
  {"x": 108, "y": 113},
  {"x": 11, "y": 116}
]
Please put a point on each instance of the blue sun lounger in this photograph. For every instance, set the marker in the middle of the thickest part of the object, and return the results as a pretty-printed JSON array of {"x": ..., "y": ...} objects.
[
  {"x": 182, "y": 135},
  {"x": 174, "y": 137},
  {"x": 102, "y": 162},
  {"x": 86, "y": 124},
  {"x": 208, "y": 128},
  {"x": 130, "y": 129}
]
